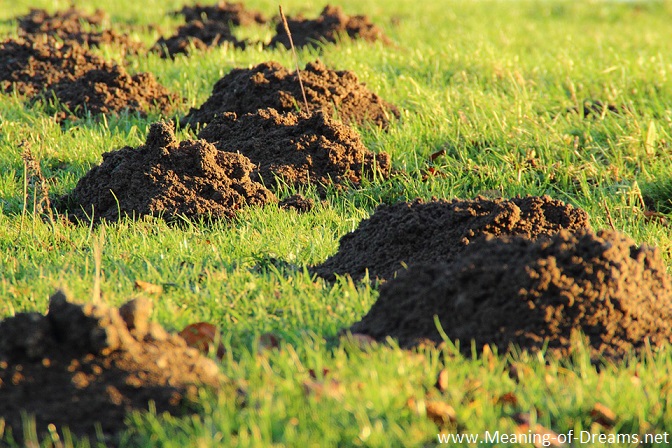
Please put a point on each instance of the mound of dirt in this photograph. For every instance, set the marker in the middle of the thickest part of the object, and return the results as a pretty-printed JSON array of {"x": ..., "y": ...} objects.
[
  {"x": 300, "y": 149},
  {"x": 438, "y": 231},
  {"x": 331, "y": 24},
  {"x": 271, "y": 85},
  {"x": 31, "y": 64},
  {"x": 108, "y": 88},
  {"x": 164, "y": 178},
  {"x": 68, "y": 25},
  {"x": 200, "y": 35},
  {"x": 86, "y": 365},
  {"x": 225, "y": 12},
  {"x": 513, "y": 290}
]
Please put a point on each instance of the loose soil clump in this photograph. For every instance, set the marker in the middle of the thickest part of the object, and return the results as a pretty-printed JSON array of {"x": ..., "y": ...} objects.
[
  {"x": 271, "y": 85},
  {"x": 33, "y": 63},
  {"x": 439, "y": 231},
  {"x": 168, "y": 179},
  {"x": 225, "y": 12},
  {"x": 516, "y": 291},
  {"x": 197, "y": 34},
  {"x": 86, "y": 365},
  {"x": 329, "y": 27},
  {"x": 298, "y": 149},
  {"x": 67, "y": 25}
]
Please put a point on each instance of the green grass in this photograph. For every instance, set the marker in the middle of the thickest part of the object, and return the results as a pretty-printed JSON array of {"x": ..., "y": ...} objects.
[{"x": 489, "y": 82}]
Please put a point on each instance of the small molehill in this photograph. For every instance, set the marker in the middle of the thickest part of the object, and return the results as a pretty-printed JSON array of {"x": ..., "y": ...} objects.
[
  {"x": 439, "y": 231},
  {"x": 68, "y": 25},
  {"x": 33, "y": 63},
  {"x": 168, "y": 179},
  {"x": 108, "y": 88},
  {"x": 233, "y": 13},
  {"x": 329, "y": 27},
  {"x": 515, "y": 291},
  {"x": 197, "y": 34},
  {"x": 299, "y": 149},
  {"x": 86, "y": 365},
  {"x": 272, "y": 85}
]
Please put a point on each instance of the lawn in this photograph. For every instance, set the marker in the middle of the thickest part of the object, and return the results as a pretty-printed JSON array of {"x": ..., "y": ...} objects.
[{"x": 492, "y": 83}]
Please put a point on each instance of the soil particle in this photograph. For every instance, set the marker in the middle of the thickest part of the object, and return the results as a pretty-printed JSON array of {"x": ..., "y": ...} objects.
[
  {"x": 197, "y": 34},
  {"x": 271, "y": 85},
  {"x": 331, "y": 24},
  {"x": 31, "y": 64},
  {"x": 68, "y": 25},
  {"x": 233, "y": 13},
  {"x": 81, "y": 365},
  {"x": 299, "y": 149},
  {"x": 439, "y": 231},
  {"x": 513, "y": 290},
  {"x": 164, "y": 178},
  {"x": 108, "y": 88}
]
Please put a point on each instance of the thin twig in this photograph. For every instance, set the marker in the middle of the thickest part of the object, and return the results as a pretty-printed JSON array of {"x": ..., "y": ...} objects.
[
  {"x": 296, "y": 58},
  {"x": 609, "y": 218}
]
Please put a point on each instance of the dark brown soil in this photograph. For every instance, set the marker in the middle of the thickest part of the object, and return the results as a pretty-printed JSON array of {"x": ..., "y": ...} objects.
[
  {"x": 513, "y": 290},
  {"x": 439, "y": 231},
  {"x": 201, "y": 35},
  {"x": 164, "y": 178},
  {"x": 271, "y": 85},
  {"x": 83, "y": 365},
  {"x": 31, "y": 64},
  {"x": 233, "y": 13},
  {"x": 330, "y": 26},
  {"x": 298, "y": 203},
  {"x": 108, "y": 88},
  {"x": 299, "y": 149},
  {"x": 67, "y": 25}
]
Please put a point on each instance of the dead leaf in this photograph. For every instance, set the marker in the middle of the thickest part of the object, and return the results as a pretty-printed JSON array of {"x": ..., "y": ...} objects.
[
  {"x": 313, "y": 373},
  {"x": 148, "y": 288},
  {"x": 602, "y": 415},
  {"x": 442, "y": 380},
  {"x": 437, "y": 154},
  {"x": 656, "y": 217},
  {"x": 508, "y": 398},
  {"x": 200, "y": 335},
  {"x": 441, "y": 413}
]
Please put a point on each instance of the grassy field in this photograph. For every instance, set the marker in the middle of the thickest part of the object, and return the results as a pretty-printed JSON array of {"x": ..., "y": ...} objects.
[{"x": 490, "y": 82}]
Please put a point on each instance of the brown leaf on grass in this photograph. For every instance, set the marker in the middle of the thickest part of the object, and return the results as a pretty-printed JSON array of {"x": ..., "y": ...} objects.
[
  {"x": 508, "y": 398},
  {"x": 602, "y": 415},
  {"x": 330, "y": 389},
  {"x": 200, "y": 335},
  {"x": 655, "y": 217},
  {"x": 437, "y": 154},
  {"x": 148, "y": 288},
  {"x": 313, "y": 373},
  {"x": 440, "y": 413},
  {"x": 442, "y": 380}
]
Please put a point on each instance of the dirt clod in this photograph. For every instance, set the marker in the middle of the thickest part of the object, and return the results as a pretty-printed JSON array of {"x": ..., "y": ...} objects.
[
  {"x": 513, "y": 290},
  {"x": 439, "y": 231},
  {"x": 300, "y": 149},
  {"x": 297, "y": 202},
  {"x": 331, "y": 24},
  {"x": 80, "y": 366},
  {"x": 271, "y": 85},
  {"x": 166, "y": 178}
]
